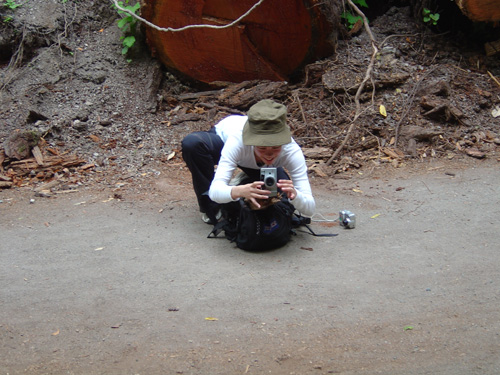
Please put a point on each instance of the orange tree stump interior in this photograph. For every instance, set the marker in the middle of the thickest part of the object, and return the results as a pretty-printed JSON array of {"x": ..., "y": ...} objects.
[
  {"x": 480, "y": 10},
  {"x": 275, "y": 40}
]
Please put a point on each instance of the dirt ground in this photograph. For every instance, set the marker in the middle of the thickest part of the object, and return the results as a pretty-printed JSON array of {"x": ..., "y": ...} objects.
[
  {"x": 96, "y": 285},
  {"x": 104, "y": 264}
]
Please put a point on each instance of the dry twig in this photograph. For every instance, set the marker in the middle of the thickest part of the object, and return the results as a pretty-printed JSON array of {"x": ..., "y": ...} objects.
[{"x": 494, "y": 78}]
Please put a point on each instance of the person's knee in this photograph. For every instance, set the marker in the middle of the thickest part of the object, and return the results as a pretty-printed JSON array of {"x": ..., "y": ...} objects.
[
  {"x": 190, "y": 143},
  {"x": 193, "y": 145}
]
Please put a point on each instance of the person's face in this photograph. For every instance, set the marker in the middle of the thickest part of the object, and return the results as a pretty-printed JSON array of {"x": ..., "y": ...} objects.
[{"x": 266, "y": 155}]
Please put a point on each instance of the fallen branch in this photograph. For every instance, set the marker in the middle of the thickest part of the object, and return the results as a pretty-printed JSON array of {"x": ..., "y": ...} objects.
[{"x": 368, "y": 76}]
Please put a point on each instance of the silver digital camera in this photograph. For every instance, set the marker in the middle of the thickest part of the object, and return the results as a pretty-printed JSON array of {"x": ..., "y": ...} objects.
[
  {"x": 347, "y": 219},
  {"x": 270, "y": 178}
]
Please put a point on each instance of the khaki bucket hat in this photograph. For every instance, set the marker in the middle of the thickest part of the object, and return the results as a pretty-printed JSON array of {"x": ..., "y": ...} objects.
[{"x": 266, "y": 125}]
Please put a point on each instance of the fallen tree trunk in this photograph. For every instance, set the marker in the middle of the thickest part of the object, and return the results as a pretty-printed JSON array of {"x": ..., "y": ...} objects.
[
  {"x": 480, "y": 10},
  {"x": 275, "y": 40}
]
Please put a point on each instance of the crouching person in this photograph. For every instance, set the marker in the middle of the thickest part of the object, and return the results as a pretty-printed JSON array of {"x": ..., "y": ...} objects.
[{"x": 261, "y": 139}]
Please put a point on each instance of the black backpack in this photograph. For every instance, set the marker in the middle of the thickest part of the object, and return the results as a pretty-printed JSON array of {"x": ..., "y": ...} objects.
[
  {"x": 260, "y": 230},
  {"x": 256, "y": 230}
]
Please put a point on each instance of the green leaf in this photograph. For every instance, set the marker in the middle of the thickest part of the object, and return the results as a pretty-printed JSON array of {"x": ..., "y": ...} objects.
[
  {"x": 129, "y": 41},
  {"x": 136, "y": 7},
  {"x": 122, "y": 23},
  {"x": 361, "y": 3},
  {"x": 350, "y": 18}
]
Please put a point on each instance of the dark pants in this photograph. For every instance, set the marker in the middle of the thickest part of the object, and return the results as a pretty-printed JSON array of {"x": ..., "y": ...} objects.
[{"x": 201, "y": 152}]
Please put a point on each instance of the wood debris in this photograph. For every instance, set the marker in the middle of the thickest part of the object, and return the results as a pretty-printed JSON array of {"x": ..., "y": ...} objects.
[
  {"x": 475, "y": 153},
  {"x": 5, "y": 184},
  {"x": 38, "y": 155},
  {"x": 319, "y": 169},
  {"x": 420, "y": 133},
  {"x": 440, "y": 109},
  {"x": 247, "y": 93},
  {"x": 21, "y": 158},
  {"x": 24, "y": 167},
  {"x": 316, "y": 152},
  {"x": 393, "y": 152}
]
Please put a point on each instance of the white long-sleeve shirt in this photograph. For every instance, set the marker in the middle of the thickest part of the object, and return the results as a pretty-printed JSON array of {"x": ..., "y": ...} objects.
[{"x": 235, "y": 153}]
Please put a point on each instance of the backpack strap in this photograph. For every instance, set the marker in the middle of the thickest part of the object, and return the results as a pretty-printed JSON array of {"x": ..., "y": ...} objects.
[
  {"x": 218, "y": 227},
  {"x": 229, "y": 221}
]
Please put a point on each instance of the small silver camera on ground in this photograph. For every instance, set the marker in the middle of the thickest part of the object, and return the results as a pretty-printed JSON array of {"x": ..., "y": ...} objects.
[
  {"x": 270, "y": 178},
  {"x": 347, "y": 219}
]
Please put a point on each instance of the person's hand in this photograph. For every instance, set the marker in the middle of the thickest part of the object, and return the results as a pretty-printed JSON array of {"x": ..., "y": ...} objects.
[
  {"x": 287, "y": 187},
  {"x": 251, "y": 192}
]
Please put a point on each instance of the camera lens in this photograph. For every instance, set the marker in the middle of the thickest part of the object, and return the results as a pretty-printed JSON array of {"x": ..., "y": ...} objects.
[{"x": 269, "y": 181}]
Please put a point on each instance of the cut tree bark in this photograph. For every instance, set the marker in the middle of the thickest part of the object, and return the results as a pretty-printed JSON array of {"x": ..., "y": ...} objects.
[
  {"x": 272, "y": 43},
  {"x": 480, "y": 10}
]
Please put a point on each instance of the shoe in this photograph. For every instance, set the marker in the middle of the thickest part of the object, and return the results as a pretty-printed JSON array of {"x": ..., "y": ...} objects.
[{"x": 207, "y": 220}]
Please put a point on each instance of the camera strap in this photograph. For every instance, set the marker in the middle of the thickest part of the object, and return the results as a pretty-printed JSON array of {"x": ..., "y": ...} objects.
[{"x": 299, "y": 221}]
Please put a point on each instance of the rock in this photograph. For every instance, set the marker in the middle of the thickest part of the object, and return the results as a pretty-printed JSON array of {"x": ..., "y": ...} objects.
[
  {"x": 80, "y": 126},
  {"x": 19, "y": 144}
]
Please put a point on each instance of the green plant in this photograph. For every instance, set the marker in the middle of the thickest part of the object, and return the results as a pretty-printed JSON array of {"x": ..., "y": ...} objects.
[
  {"x": 429, "y": 17},
  {"x": 351, "y": 19},
  {"x": 128, "y": 24},
  {"x": 360, "y": 3},
  {"x": 7, "y": 19},
  {"x": 11, "y": 4}
]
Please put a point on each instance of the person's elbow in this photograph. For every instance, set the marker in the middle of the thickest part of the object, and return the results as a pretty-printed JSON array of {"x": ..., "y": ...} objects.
[
  {"x": 305, "y": 204},
  {"x": 310, "y": 209},
  {"x": 212, "y": 193}
]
